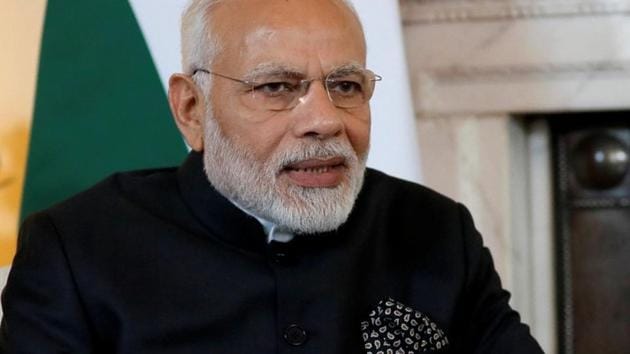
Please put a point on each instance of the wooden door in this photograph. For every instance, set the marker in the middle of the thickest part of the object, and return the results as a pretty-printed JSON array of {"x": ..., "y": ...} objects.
[{"x": 592, "y": 179}]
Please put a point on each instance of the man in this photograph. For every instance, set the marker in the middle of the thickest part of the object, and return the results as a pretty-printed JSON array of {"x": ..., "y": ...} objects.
[{"x": 272, "y": 236}]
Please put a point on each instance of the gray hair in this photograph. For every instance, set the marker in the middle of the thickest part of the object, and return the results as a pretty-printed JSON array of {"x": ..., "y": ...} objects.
[{"x": 199, "y": 45}]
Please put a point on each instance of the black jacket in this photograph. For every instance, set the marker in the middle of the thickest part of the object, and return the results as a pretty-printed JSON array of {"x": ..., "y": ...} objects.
[{"x": 159, "y": 262}]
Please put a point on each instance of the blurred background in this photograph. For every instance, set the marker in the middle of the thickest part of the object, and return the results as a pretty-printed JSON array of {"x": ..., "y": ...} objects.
[{"x": 520, "y": 109}]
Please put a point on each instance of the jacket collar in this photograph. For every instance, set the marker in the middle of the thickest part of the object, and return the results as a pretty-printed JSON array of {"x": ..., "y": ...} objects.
[
  {"x": 229, "y": 225},
  {"x": 224, "y": 221}
]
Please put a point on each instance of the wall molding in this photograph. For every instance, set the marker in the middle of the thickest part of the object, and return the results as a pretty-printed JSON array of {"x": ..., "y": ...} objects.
[
  {"x": 547, "y": 71},
  {"x": 438, "y": 11}
]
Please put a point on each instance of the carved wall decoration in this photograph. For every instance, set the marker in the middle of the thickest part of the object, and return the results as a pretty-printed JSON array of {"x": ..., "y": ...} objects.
[
  {"x": 477, "y": 63},
  {"x": 546, "y": 71},
  {"x": 481, "y": 56},
  {"x": 435, "y": 11}
]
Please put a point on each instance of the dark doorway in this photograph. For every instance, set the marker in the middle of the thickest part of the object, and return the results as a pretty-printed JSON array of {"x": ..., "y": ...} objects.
[{"x": 592, "y": 186}]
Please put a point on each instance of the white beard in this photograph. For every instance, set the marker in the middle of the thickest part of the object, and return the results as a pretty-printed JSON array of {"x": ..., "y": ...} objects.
[{"x": 255, "y": 185}]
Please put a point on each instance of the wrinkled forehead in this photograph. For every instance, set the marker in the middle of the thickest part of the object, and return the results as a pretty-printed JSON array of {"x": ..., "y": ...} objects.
[
  {"x": 237, "y": 13},
  {"x": 301, "y": 25}
]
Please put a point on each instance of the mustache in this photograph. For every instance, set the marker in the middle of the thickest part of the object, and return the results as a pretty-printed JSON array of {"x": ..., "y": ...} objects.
[{"x": 313, "y": 150}]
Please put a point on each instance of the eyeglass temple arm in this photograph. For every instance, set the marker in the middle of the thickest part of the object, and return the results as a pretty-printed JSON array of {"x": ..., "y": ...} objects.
[{"x": 220, "y": 75}]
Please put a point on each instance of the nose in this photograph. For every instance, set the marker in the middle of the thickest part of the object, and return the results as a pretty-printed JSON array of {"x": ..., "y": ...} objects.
[{"x": 316, "y": 115}]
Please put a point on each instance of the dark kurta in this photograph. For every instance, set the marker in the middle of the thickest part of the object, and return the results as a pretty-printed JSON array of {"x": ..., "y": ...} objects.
[{"x": 158, "y": 262}]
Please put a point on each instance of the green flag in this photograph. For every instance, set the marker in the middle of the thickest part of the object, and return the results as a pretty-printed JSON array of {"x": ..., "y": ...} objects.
[{"x": 99, "y": 105}]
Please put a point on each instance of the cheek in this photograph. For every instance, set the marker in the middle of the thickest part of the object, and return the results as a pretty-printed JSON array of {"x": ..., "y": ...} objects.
[
  {"x": 261, "y": 139},
  {"x": 260, "y": 136},
  {"x": 358, "y": 131},
  {"x": 264, "y": 141}
]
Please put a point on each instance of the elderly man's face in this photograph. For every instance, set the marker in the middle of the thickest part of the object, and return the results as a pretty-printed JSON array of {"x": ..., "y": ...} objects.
[{"x": 301, "y": 167}]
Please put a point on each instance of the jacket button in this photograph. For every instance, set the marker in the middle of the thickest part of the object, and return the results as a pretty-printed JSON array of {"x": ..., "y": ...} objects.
[
  {"x": 281, "y": 258},
  {"x": 295, "y": 335}
]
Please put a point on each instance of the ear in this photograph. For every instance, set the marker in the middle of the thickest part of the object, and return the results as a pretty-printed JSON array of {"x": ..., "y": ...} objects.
[{"x": 187, "y": 104}]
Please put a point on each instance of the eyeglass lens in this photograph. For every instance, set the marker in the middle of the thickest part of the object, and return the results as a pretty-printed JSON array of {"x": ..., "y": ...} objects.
[{"x": 345, "y": 88}]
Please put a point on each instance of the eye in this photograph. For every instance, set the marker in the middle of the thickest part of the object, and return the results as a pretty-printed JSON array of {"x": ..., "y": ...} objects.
[
  {"x": 275, "y": 88},
  {"x": 345, "y": 87}
]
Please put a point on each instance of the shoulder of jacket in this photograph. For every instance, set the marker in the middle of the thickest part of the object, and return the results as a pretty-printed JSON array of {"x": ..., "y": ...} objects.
[
  {"x": 381, "y": 185},
  {"x": 110, "y": 192}
]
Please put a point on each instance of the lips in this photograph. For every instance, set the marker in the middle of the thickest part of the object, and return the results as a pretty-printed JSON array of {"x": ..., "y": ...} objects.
[{"x": 316, "y": 173}]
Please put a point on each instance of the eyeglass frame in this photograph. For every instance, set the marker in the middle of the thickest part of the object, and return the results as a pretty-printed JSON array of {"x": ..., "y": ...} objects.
[{"x": 303, "y": 83}]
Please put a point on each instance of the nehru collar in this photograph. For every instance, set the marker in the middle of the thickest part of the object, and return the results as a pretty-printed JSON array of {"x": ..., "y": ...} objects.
[
  {"x": 273, "y": 231},
  {"x": 221, "y": 218}
]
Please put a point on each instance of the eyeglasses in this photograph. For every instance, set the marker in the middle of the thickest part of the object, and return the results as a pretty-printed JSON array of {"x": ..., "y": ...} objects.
[{"x": 346, "y": 88}]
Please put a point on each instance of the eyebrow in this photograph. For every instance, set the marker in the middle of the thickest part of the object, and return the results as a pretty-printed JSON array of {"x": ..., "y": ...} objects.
[
  {"x": 278, "y": 69},
  {"x": 353, "y": 66},
  {"x": 348, "y": 68},
  {"x": 272, "y": 69}
]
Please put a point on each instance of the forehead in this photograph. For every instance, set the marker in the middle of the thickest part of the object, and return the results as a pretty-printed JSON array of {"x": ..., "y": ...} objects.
[{"x": 295, "y": 32}]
